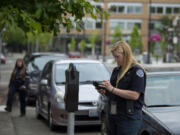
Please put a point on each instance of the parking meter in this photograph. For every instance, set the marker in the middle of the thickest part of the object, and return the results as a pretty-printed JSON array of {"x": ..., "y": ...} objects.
[{"x": 72, "y": 89}]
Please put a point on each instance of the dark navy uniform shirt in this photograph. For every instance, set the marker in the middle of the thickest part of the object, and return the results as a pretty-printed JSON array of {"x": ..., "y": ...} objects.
[{"x": 134, "y": 80}]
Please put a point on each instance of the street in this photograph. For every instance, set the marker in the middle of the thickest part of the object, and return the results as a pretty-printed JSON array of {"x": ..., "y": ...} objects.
[{"x": 12, "y": 124}]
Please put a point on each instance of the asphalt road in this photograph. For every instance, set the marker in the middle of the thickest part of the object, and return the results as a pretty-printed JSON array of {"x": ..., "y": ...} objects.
[{"x": 29, "y": 125}]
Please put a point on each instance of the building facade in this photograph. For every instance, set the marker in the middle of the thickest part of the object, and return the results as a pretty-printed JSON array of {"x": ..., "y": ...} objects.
[{"x": 126, "y": 14}]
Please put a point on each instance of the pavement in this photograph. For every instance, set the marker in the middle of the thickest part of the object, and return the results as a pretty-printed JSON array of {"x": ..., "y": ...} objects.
[{"x": 6, "y": 123}]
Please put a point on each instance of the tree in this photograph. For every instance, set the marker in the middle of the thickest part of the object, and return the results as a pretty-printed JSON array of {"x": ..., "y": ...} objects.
[
  {"x": 92, "y": 39},
  {"x": 82, "y": 46},
  {"x": 72, "y": 44},
  {"x": 135, "y": 40},
  {"x": 38, "y": 16},
  {"x": 117, "y": 35},
  {"x": 15, "y": 38}
]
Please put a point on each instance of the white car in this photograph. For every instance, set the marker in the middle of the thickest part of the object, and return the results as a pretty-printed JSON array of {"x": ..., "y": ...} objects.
[{"x": 50, "y": 100}]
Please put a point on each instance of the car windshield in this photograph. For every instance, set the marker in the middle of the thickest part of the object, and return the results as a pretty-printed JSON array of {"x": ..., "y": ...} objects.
[
  {"x": 162, "y": 91},
  {"x": 88, "y": 72},
  {"x": 38, "y": 63}
]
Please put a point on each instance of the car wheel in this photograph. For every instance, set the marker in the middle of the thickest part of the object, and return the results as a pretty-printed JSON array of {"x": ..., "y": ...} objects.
[
  {"x": 103, "y": 125},
  {"x": 38, "y": 116},
  {"x": 50, "y": 120}
]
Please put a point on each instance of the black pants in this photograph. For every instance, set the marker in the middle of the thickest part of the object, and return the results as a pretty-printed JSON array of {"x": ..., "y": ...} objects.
[
  {"x": 22, "y": 98},
  {"x": 120, "y": 125}
]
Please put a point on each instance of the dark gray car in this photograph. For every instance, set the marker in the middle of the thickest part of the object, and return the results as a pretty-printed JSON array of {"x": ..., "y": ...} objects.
[
  {"x": 161, "y": 112},
  {"x": 35, "y": 63},
  {"x": 50, "y": 101}
]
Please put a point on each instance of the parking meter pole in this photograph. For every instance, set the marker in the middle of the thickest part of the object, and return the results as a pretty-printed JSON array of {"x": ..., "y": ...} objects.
[
  {"x": 70, "y": 123},
  {"x": 71, "y": 96}
]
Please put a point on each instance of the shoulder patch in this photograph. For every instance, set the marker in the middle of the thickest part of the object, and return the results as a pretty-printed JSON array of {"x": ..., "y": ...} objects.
[{"x": 140, "y": 73}]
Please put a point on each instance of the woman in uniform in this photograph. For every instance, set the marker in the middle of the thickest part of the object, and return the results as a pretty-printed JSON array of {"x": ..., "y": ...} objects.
[{"x": 125, "y": 92}]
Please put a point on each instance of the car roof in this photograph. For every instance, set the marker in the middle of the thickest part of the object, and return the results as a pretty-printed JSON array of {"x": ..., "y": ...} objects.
[
  {"x": 77, "y": 61},
  {"x": 47, "y": 53},
  {"x": 165, "y": 73}
]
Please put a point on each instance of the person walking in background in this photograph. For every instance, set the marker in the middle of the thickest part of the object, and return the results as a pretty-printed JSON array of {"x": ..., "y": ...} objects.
[
  {"x": 125, "y": 92},
  {"x": 18, "y": 83}
]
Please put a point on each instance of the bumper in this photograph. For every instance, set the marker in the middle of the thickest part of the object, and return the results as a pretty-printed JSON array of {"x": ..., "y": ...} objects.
[{"x": 82, "y": 116}]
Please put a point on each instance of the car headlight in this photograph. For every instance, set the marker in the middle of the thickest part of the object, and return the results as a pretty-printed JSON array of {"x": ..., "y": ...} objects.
[
  {"x": 94, "y": 103},
  {"x": 33, "y": 86},
  {"x": 59, "y": 96}
]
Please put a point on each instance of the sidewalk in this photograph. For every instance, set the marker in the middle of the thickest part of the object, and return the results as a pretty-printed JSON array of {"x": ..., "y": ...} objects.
[{"x": 6, "y": 124}]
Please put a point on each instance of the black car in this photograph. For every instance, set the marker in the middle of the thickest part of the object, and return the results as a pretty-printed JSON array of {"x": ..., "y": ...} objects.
[
  {"x": 161, "y": 112},
  {"x": 35, "y": 63}
]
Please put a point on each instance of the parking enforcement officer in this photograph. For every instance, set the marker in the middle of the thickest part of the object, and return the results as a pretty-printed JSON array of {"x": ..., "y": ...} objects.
[{"x": 125, "y": 92}]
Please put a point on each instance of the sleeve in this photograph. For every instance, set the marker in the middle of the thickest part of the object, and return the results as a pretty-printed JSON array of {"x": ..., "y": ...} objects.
[{"x": 138, "y": 80}]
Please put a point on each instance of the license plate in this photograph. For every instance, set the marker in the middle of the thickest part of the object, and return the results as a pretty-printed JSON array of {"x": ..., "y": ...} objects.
[{"x": 93, "y": 113}]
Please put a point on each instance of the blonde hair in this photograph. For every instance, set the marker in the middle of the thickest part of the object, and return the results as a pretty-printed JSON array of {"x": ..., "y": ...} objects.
[{"x": 128, "y": 58}]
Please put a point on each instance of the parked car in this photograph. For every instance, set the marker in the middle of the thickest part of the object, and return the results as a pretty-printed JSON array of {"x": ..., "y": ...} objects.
[
  {"x": 35, "y": 63},
  {"x": 50, "y": 103},
  {"x": 3, "y": 59},
  {"x": 161, "y": 112},
  {"x": 74, "y": 54}
]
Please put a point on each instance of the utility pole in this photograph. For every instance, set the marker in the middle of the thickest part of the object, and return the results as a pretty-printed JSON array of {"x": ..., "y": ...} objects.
[
  {"x": 104, "y": 38},
  {"x": 149, "y": 34}
]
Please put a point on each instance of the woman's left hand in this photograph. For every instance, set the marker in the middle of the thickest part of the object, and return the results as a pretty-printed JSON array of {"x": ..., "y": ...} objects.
[{"x": 106, "y": 84}]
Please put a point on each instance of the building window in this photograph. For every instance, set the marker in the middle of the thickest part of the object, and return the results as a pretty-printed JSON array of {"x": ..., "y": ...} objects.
[
  {"x": 153, "y": 10},
  {"x": 113, "y": 8},
  {"x": 134, "y": 9},
  {"x": 98, "y": 25},
  {"x": 130, "y": 9},
  {"x": 176, "y": 10},
  {"x": 99, "y": 7},
  {"x": 159, "y": 10},
  {"x": 137, "y": 9},
  {"x": 113, "y": 25},
  {"x": 88, "y": 25},
  {"x": 130, "y": 25},
  {"x": 121, "y": 9},
  {"x": 168, "y": 10},
  {"x": 138, "y": 25}
]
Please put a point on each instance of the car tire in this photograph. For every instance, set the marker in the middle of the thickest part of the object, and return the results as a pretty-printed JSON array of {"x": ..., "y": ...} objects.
[
  {"x": 38, "y": 116},
  {"x": 103, "y": 125},
  {"x": 50, "y": 120}
]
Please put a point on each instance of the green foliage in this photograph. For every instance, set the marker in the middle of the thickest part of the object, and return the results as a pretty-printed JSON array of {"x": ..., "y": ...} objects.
[
  {"x": 135, "y": 40},
  {"x": 14, "y": 35},
  {"x": 117, "y": 35},
  {"x": 38, "y": 16},
  {"x": 72, "y": 44},
  {"x": 82, "y": 45},
  {"x": 44, "y": 40},
  {"x": 166, "y": 23},
  {"x": 93, "y": 39}
]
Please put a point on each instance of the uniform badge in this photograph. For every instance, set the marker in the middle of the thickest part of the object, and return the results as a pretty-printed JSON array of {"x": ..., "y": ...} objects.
[{"x": 140, "y": 73}]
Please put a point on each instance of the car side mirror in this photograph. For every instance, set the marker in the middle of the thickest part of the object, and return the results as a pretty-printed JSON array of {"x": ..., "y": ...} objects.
[{"x": 44, "y": 82}]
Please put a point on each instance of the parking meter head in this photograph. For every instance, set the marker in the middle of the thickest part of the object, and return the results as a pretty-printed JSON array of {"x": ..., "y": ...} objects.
[{"x": 72, "y": 89}]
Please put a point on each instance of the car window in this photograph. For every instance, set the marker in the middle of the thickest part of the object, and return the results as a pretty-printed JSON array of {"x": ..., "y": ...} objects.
[
  {"x": 87, "y": 72},
  {"x": 38, "y": 63},
  {"x": 162, "y": 90}
]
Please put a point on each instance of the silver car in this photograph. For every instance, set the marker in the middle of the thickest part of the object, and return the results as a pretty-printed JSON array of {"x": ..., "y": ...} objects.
[{"x": 50, "y": 100}]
